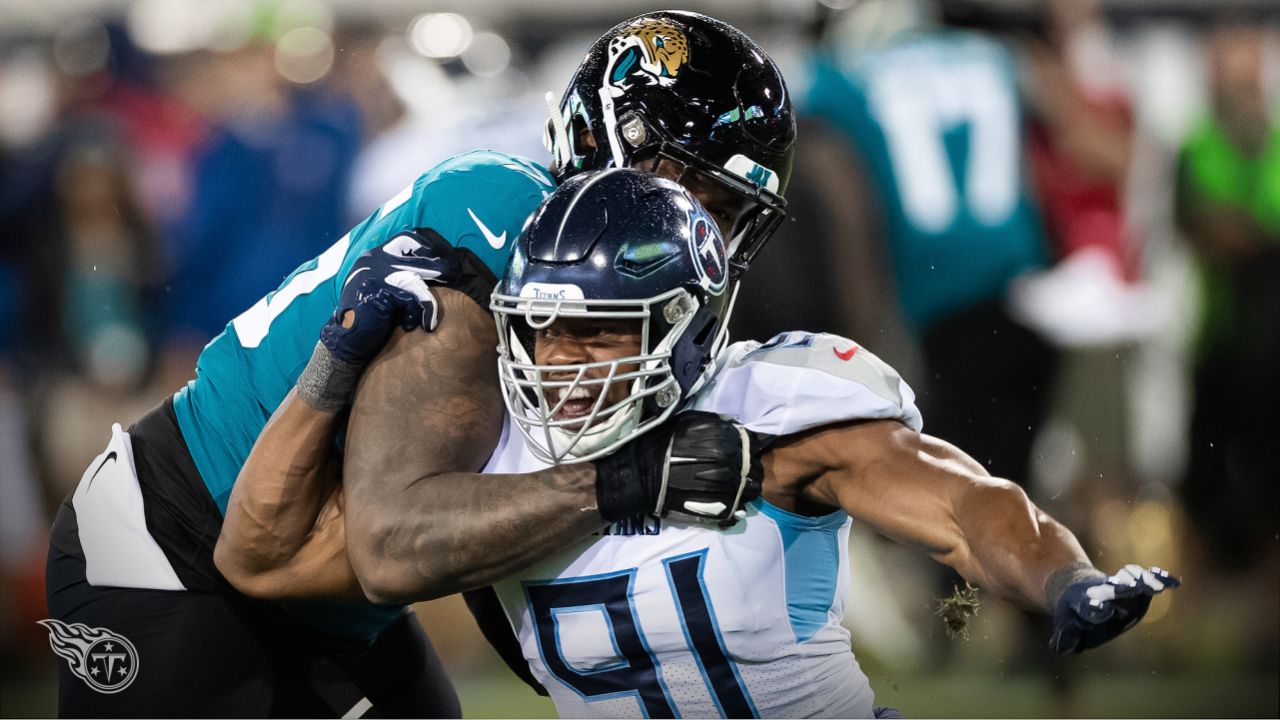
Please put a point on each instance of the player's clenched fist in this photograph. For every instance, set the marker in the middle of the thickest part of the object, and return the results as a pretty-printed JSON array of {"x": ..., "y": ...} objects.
[
  {"x": 388, "y": 287},
  {"x": 697, "y": 464}
]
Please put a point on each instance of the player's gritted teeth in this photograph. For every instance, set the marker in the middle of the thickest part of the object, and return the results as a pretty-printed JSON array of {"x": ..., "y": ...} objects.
[{"x": 579, "y": 401}]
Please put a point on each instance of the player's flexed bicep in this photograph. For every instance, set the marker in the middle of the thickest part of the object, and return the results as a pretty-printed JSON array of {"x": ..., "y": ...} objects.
[{"x": 926, "y": 492}]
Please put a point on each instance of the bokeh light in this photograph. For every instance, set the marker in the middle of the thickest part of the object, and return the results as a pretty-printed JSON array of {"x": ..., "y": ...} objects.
[
  {"x": 167, "y": 27},
  {"x": 488, "y": 55},
  {"x": 440, "y": 35},
  {"x": 304, "y": 55},
  {"x": 26, "y": 98}
]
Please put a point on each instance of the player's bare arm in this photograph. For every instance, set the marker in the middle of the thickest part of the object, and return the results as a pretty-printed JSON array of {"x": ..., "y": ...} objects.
[
  {"x": 283, "y": 535},
  {"x": 922, "y": 491},
  {"x": 425, "y": 420},
  {"x": 422, "y": 523}
]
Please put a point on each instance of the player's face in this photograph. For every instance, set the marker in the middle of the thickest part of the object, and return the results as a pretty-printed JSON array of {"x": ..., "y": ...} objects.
[
  {"x": 721, "y": 203},
  {"x": 573, "y": 341},
  {"x": 724, "y": 206}
]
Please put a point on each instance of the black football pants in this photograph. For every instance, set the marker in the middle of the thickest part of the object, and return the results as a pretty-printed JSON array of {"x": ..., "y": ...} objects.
[{"x": 223, "y": 655}]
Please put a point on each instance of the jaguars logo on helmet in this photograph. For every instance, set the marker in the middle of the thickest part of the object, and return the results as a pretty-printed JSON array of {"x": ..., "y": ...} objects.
[{"x": 650, "y": 49}]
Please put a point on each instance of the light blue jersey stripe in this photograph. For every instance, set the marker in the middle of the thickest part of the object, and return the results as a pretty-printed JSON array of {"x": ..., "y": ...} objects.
[{"x": 811, "y": 547}]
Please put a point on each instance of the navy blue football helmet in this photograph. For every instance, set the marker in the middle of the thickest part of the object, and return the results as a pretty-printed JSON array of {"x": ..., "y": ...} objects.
[
  {"x": 618, "y": 243},
  {"x": 696, "y": 93}
]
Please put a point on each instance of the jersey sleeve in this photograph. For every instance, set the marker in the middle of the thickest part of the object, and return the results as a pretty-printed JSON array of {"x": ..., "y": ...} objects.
[
  {"x": 799, "y": 380},
  {"x": 478, "y": 201}
]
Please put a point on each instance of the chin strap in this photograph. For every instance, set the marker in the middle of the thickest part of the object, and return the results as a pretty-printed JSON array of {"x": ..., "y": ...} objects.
[
  {"x": 561, "y": 153},
  {"x": 611, "y": 126}
]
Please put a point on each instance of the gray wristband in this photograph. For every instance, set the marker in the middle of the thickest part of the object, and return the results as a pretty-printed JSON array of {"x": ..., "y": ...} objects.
[
  {"x": 1065, "y": 577},
  {"x": 327, "y": 383}
]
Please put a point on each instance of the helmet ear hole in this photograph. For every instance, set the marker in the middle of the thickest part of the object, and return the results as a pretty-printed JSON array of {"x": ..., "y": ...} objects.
[
  {"x": 690, "y": 354},
  {"x": 704, "y": 333}
]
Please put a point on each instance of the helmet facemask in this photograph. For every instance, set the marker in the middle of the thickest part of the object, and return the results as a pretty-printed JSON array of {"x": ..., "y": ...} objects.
[
  {"x": 536, "y": 393},
  {"x": 755, "y": 211},
  {"x": 567, "y": 125}
]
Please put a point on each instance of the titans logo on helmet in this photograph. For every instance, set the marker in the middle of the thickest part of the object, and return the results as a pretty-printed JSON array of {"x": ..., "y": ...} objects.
[{"x": 709, "y": 255}]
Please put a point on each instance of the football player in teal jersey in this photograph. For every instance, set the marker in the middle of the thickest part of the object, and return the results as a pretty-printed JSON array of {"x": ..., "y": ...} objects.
[{"x": 132, "y": 554}]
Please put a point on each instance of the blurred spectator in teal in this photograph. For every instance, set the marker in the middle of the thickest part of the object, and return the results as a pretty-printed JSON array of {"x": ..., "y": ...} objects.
[
  {"x": 1228, "y": 206},
  {"x": 107, "y": 256}
]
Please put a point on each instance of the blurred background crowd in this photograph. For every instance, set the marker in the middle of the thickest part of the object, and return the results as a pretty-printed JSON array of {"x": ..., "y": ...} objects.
[{"x": 1059, "y": 220}]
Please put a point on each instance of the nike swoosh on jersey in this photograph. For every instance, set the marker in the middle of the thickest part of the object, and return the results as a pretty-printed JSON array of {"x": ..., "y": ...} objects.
[
  {"x": 495, "y": 241},
  {"x": 847, "y": 355},
  {"x": 110, "y": 456}
]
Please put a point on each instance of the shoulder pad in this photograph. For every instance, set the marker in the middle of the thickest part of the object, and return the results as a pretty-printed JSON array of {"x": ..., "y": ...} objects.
[
  {"x": 493, "y": 164},
  {"x": 478, "y": 201},
  {"x": 800, "y": 380}
]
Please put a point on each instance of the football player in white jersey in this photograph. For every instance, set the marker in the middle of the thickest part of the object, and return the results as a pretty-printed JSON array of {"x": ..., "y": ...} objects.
[
  {"x": 609, "y": 316},
  {"x": 611, "y": 320}
]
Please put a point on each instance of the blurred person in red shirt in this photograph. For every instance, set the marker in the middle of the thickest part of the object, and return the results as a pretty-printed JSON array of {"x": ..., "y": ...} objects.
[{"x": 1080, "y": 135}]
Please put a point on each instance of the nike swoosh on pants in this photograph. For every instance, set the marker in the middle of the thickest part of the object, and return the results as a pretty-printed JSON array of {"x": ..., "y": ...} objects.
[{"x": 110, "y": 456}]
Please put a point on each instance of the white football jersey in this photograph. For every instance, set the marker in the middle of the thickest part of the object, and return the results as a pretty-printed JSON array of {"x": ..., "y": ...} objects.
[{"x": 676, "y": 617}]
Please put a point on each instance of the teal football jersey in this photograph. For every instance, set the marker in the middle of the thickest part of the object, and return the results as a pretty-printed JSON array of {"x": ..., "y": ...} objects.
[
  {"x": 478, "y": 201},
  {"x": 937, "y": 120}
]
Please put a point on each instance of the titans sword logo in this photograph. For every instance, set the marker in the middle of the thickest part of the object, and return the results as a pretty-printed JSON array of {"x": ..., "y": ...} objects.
[{"x": 107, "y": 662}]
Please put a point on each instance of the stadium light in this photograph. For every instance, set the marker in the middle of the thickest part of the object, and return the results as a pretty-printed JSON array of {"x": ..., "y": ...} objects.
[{"x": 440, "y": 35}]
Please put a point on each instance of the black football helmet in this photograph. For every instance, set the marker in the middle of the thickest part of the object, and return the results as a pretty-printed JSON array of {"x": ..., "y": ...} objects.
[
  {"x": 693, "y": 91},
  {"x": 619, "y": 243}
]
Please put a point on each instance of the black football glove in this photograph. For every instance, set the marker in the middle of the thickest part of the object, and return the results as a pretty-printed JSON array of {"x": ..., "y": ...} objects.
[
  {"x": 697, "y": 464},
  {"x": 386, "y": 288},
  {"x": 1091, "y": 612}
]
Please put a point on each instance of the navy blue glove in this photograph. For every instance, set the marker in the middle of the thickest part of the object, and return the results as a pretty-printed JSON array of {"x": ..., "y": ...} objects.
[
  {"x": 388, "y": 287},
  {"x": 1091, "y": 612}
]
